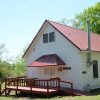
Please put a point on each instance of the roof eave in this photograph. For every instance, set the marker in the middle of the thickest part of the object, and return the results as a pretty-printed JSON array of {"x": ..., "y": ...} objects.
[{"x": 90, "y": 51}]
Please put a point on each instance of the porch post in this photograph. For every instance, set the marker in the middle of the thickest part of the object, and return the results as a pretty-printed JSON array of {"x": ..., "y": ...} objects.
[
  {"x": 72, "y": 88},
  {"x": 47, "y": 88},
  {"x": 5, "y": 86},
  {"x": 16, "y": 80}
]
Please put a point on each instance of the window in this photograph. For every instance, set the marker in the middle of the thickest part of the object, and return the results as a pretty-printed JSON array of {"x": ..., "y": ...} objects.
[
  {"x": 48, "y": 37},
  {"x": 45, "y": 38},
  {"x": 95, "y": 69},
  {"x": 51, "y": 37}
]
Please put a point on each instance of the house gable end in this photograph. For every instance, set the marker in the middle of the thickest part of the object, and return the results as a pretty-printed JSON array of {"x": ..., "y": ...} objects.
[{"x": 46, "y": 23}]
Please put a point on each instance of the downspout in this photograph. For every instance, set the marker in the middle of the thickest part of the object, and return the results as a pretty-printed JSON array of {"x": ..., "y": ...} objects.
[{"x": 89, "y": 62}]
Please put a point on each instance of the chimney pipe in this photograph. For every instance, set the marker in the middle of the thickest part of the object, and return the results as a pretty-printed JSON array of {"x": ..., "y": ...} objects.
[
  {"x": 89, "y": 44},
  {"x": 89, "y": 38}
]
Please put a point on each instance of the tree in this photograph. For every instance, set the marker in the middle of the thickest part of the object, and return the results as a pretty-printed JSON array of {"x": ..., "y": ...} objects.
[
  {"x": 67, "y": 22},
  {"x": 19, "y": 67},
  {"x": 15, "y": 68},
  {"x": 5, "y": 69},
  {"x": 5, "y": 66},
  {"x": 93, "y": 14},
  {"x": 2, "y": 50}
]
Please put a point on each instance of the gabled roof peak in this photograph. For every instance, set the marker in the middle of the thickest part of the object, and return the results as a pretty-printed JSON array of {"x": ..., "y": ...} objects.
[{"x": 76, "y": 36}]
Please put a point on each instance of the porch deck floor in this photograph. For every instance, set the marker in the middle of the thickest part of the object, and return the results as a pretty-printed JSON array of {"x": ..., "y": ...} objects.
[
  {"x": 33, "y": 89},
  {"x": 44, "y": 91}
]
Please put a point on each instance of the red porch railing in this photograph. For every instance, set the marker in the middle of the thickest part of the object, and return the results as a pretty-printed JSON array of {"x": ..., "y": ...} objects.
[
  {"x": 71, "y": 86},
  {"x": 50, "y": 86}
]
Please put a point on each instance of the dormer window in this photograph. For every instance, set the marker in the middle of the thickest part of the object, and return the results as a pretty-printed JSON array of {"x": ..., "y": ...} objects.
[{"x": 48, "y": 37}]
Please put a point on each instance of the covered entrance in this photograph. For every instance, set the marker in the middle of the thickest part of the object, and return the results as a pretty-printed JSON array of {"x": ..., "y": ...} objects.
[{"x": 51, "y": 65}]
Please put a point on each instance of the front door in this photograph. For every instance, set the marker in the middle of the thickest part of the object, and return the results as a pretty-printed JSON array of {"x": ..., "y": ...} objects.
[{"x": 51, "y": 72}]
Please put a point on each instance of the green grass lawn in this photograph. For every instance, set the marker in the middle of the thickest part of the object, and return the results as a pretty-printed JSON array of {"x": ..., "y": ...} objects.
[
  {"x": 97, "y": 97},
  {"x": 94, "y": 95}
]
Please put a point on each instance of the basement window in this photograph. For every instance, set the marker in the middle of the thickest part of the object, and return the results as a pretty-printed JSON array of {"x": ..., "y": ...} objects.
[{"x": 95, "y": 69}]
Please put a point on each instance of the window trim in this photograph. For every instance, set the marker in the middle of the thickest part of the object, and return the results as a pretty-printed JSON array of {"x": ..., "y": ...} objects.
[{"x": 48, "y": 37}]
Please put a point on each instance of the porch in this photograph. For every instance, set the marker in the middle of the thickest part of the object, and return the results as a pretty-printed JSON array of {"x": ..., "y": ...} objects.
[{"x": 37, "y": 86}]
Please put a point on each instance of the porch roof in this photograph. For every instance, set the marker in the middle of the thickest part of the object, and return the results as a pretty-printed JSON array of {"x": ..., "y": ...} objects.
[{"x": 47, "y": 60}]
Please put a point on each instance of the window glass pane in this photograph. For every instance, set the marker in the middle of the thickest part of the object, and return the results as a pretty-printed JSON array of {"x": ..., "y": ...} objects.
[
  {"x": 45, "y": 38},
  {"x": 51, "y": 37},
  {"x": 95, "y": 69}
]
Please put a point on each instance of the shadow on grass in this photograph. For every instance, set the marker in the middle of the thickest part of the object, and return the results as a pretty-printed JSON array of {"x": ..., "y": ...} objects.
[
  {"x": 27, "y": 96},
  {"x": 94, "y": 92},
  {"x": 40, "y": 96}
]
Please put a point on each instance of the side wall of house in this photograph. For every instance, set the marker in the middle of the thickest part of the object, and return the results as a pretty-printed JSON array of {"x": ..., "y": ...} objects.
[
  {"x": 64, "y": 49},
  {"x": 89, "y": 82}
]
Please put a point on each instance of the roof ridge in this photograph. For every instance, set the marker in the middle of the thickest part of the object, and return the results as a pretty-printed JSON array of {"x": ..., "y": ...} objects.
[{"x": 70, "y": 26}]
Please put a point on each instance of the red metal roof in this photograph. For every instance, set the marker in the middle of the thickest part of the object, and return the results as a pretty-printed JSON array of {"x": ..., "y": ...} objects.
[
  {"x": 75, "y": 36},
  {"x": 78, "y": 37},
  {"x": 47, "y": 60}
]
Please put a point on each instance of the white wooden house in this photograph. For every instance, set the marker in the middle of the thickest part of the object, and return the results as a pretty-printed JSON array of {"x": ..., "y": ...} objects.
[{"x": 61, "y": 51}]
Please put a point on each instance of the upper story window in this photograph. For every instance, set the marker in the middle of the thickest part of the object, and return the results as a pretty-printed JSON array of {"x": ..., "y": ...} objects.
[
  {"x": 45, "y": 38},
  {"x": 51, "y": 37},
  {"x": 95, "y": 69},
  {"x": 48, "y": 37}
]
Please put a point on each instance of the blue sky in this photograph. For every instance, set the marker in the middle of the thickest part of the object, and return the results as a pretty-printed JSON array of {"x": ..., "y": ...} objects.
[{"x": 21, "y": 19}]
